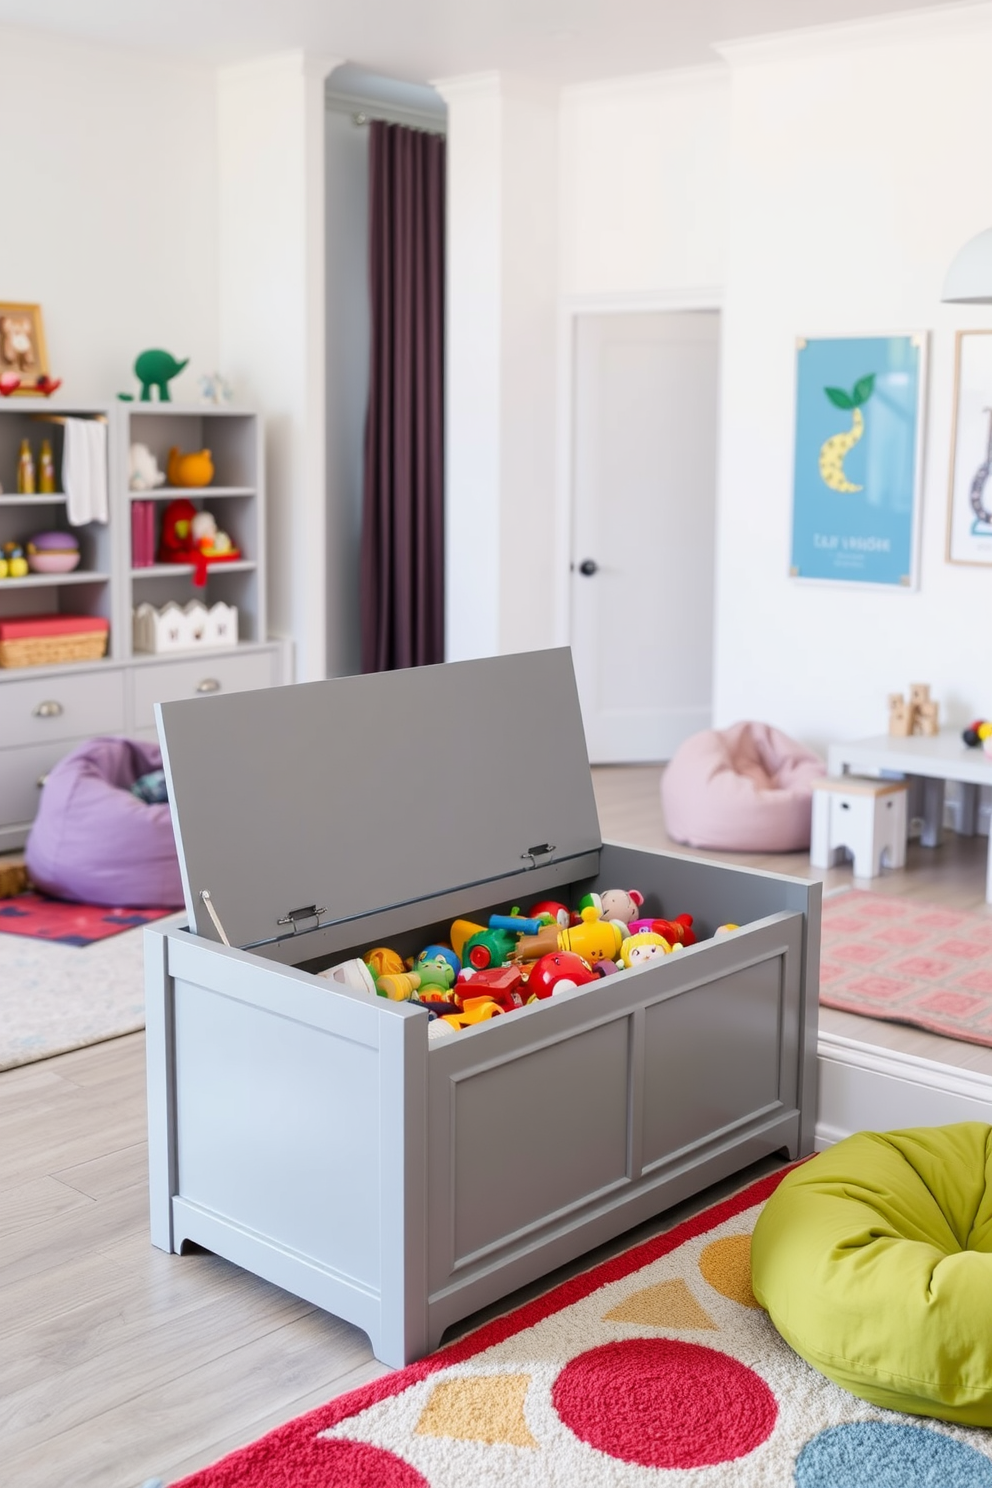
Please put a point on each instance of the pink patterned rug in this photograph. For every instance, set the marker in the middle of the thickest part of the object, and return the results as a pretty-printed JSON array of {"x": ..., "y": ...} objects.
[{"x": 908, "y": 962}]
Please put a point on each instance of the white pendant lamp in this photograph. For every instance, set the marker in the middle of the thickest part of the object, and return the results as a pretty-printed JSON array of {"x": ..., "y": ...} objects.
[{"x": 969, "y": 279}]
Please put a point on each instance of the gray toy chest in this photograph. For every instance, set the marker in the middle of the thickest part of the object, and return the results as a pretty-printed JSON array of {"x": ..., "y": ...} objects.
[{"x": 311, "y": 1134}]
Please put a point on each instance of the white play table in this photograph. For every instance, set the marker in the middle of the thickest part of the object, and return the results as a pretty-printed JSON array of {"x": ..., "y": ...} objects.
[{"x": 931, "y": 761}]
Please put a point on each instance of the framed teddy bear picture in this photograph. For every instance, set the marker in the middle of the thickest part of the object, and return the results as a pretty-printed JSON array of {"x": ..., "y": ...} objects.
[{"x": 22, "y": 347}]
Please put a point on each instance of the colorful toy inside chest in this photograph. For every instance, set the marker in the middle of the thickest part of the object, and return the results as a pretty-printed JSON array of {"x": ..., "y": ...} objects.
[{"x": 484, "y": 970}]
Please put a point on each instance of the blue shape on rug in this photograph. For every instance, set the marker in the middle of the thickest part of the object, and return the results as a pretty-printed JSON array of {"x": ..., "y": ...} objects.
[
  {"x": 10, "y": 913},
  {"x": 874, "y": 1454}
]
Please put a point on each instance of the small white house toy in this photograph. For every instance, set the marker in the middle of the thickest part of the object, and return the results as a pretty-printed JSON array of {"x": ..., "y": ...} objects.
[
  {"x": 192, "y": 627},
  {"x": 144, "y": 472}
]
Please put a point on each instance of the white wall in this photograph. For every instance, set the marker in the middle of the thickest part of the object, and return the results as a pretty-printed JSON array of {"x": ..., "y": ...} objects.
[
  {"x": 271, "y": 120},
  {"x": 821, "y": 182},
  {"x": 643, "y": 184},
  {"x": 500, "y": 526},
  {"x": 859, "y": 165},
  {"x": 108, "y": 176}
]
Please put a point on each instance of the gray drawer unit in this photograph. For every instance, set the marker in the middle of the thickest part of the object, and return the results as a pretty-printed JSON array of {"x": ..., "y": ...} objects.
[
  {"x": 199, "y": 676},
  {"x": 37, "y": 710},
  {"x": 314, "y": 1135},
  {"x": 22, "y": 772}
]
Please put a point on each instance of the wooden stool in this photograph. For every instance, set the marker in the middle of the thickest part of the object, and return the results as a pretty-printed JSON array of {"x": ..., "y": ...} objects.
[{"x": 866, "y": 818}]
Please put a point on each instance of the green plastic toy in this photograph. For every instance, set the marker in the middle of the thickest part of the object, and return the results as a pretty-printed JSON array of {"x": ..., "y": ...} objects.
[{"x": 157, "y": 369}]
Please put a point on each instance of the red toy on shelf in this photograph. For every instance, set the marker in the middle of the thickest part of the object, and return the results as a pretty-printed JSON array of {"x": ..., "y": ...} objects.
[{"x": 191, "y": 536}]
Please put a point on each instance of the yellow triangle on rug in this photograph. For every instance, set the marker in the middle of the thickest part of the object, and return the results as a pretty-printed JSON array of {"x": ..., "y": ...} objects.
[{"x": 668, "y": 1304}]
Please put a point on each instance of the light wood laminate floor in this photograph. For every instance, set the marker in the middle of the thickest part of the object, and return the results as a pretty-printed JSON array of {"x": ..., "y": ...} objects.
[{"x": 119, "y": 1363}]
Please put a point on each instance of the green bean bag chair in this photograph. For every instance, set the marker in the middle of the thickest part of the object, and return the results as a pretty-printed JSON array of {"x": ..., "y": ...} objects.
[{"x": 874, "y": 1261}]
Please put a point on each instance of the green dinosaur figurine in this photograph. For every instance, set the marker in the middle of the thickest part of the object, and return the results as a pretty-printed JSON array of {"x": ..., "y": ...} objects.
[{"x": 156, "y": 369}]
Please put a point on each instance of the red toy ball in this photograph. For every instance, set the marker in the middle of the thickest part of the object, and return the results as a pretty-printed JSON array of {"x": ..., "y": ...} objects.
[
  {"x": 560, "y": 913},
  {"x": 556, "y": 972}
]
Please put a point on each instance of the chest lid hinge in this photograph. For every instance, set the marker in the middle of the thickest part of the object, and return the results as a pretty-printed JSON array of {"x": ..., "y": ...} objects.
[
  {"x": 540, "y": 852},
  {"x": 305, "y": 912}
]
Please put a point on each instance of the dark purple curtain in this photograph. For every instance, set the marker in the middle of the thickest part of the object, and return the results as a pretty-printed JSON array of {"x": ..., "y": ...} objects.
[{"x": 403, "y": 494}]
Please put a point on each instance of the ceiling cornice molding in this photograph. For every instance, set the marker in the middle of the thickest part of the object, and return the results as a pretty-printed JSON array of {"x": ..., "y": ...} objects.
[
  {"x": 672, "y": 80},
  {"x": 511, "y": 85},
  {"x": 935, "y": 23},
  {"x": 299, "y": 62},
  {"x": 469, "y": 84}
]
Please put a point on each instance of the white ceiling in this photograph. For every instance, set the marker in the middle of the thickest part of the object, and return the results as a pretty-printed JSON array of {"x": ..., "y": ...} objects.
[{"x": 567, "y": 40}]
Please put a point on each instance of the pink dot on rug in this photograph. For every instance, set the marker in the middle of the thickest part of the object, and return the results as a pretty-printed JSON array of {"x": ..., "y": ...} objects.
[{"x": 665, "y": 1403}]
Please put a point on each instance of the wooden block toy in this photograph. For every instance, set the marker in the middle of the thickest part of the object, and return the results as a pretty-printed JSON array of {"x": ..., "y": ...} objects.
[
  {"x": 901, "y": 716},
  {"x": 917, "y": 714},
  {"x": 927, "y": 720}
]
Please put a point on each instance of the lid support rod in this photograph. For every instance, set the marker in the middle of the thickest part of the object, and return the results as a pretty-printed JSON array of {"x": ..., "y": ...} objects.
[{"x": 208, "y": 905}]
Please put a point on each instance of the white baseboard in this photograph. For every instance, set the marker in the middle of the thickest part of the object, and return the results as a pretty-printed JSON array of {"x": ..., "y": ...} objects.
[{"x": 863, "y": 1087}]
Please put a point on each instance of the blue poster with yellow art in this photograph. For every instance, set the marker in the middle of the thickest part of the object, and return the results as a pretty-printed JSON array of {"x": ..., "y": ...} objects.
[{"x": 859, "y": 421}]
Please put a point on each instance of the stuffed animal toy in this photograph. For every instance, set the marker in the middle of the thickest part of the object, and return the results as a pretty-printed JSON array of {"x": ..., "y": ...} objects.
[
  {"x": 613, "y": 904},
  {"x": 191, "y": 536},
  {"x": 145, "y": 474}
]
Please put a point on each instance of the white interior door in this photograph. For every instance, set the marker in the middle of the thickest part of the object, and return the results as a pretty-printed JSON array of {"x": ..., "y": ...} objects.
[{"x": 643, "y": 529}]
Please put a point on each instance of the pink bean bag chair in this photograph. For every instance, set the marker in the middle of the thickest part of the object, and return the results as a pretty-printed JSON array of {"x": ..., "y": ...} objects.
[
  {"x": 93, "y": 841},
  {"x": 748, "y": 788}
]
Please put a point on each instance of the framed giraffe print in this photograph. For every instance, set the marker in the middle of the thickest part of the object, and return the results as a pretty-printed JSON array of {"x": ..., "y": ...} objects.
[
  {"x": 857, "y": 474},
  {"x": 969, "y": 499}
]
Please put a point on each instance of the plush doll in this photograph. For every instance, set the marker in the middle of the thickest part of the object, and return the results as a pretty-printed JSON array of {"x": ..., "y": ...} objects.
[
  {"x": 645, "y": 946},
  {"x": 144, "y": 472},
  {"x": 613, "y": 904}
]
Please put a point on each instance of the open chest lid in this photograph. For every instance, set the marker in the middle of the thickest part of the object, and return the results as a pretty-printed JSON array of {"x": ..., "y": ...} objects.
[{"x": 358, "y": 794}]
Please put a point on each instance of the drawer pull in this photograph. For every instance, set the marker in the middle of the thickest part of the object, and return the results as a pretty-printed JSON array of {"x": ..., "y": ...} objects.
[
  {"x": 42, "y": 781},
  {"x": 209, "y": 684},
  {"x": 48, "y": 710}
]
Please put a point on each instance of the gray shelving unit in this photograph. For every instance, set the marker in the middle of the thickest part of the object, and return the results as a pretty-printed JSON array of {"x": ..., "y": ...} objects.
[{"x": 47, "y": 711}]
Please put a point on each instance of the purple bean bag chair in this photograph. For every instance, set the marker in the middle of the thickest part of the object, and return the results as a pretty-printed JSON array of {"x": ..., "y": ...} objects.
[
  {"x": 93, "y": 841},
  {"x": 748, "y": 788}
]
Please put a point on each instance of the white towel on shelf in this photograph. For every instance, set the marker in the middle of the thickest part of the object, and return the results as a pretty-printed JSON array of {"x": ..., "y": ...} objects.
[{"x": 84, "y": 471}]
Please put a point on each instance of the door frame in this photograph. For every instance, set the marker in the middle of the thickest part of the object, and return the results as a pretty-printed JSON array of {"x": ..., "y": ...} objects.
[{"x": 705, "y": 297}]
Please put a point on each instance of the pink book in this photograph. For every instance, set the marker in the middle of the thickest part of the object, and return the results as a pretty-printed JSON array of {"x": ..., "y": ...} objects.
[
  {"x": 142, "y": 534},
  {"x": 136, "y": 534}
]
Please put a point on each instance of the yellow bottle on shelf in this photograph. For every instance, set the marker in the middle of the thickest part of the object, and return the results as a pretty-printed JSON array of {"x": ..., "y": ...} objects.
[
  {"x": 25, "y": 470},
  {"x": 46, "y": 469}
]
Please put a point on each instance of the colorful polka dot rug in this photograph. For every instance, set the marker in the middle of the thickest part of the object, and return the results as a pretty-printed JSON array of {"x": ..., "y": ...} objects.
[{"x": 656, "y": 1369}]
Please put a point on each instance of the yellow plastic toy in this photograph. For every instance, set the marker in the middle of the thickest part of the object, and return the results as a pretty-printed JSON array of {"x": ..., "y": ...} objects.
[
  {"x": 381, "y": 960},
  {"x": 461, "y": 931},
  {"x": 398, "y": 986},
  {"x": 474, "y": 1010},
  {"x": 594, "y": 940},
  {"x": 194, "y": 469}
]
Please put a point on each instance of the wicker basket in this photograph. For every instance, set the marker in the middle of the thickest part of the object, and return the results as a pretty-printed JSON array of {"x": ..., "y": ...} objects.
[{"x": 53, "y": 650}]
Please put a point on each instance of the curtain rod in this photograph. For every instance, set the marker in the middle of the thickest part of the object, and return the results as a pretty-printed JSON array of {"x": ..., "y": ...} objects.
[{"x": 362, "y": 118}]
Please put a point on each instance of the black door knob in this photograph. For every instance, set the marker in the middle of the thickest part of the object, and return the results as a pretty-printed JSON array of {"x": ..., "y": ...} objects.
[{"x": 588, "y": 566}]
